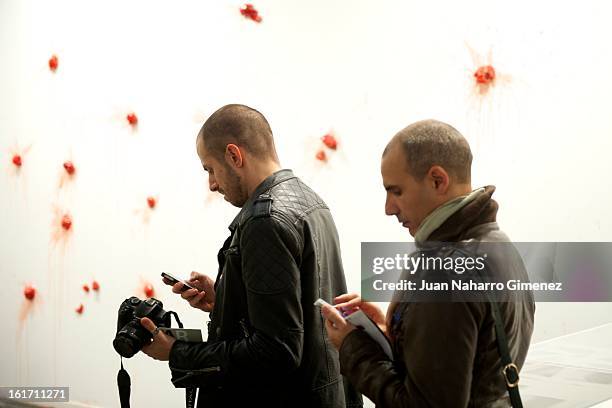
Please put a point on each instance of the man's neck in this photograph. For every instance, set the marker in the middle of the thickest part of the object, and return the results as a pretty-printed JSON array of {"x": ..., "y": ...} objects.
[{"x": 259, "y": 174}]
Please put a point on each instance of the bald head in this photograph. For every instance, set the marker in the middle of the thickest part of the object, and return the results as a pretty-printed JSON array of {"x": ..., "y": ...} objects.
[
  {"x": 242, "y": 126},
  {"x": 433, "y": 143}
]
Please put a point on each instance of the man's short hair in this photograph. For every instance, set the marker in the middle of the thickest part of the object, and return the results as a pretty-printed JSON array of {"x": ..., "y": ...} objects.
[
  {"x": 429, "y": 143},
  {"x": 242, "y": 126}
]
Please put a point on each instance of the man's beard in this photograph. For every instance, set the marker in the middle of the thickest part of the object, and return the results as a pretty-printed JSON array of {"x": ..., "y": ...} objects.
[{"x": 237, "y": 192}]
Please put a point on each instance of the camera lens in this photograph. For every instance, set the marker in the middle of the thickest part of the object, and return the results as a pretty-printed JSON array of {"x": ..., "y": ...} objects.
[{"x": 125, "y": 346}]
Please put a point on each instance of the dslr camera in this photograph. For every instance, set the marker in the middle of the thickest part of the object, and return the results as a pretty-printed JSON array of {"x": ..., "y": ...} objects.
[{"x": 131, "y": 335}]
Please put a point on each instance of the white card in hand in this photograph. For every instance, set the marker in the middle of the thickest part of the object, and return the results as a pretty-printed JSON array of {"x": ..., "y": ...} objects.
[{"x": 360, "y": 319}]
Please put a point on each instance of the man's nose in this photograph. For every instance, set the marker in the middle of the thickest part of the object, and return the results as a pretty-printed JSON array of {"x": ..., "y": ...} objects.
[
  {"x": 212, "y": 184},
  {"x": 390, "y": 207}
]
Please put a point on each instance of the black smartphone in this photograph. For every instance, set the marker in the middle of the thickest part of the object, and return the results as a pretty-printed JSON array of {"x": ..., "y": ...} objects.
[{"x": 175, "y": 280}]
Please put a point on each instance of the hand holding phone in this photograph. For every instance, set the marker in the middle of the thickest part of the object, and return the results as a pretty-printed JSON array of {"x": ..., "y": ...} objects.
[
  {"x": 199, "y": 291},
  {"x": 171, "y": 280}
]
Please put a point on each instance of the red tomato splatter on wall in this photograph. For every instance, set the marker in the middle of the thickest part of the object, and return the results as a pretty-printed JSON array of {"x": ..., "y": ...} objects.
[
  {"x": 66, "y": 222},
  {"x": 151, "y": 202},
  {"x": 485, "y": 74},
  {"x": 149, "y": 290},
  {"x": 132, "y": 119},
  {"x": 29, "y": 292},
  {"x": 53, "y": 63},
  {"x": 330, "y": 141},
  {"x": 248, "y": 11}
]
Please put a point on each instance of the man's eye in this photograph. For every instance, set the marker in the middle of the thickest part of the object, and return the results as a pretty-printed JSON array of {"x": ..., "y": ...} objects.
[{"x": 396, "y": 192}]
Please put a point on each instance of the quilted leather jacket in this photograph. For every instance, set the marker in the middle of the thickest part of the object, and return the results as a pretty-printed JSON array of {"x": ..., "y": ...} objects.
[{"x": 267, "y": 343}]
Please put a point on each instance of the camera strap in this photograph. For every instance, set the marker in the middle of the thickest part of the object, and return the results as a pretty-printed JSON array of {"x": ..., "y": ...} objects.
[
  {"x": 190, "y": 392},
  {"x": 123, "y": 381}
]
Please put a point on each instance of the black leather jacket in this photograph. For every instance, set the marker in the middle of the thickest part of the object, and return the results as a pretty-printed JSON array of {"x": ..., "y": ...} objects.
[{"x": 267, "y": 343}]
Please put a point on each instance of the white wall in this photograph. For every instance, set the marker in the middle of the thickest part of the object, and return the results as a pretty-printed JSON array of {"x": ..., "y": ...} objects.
[{"x": 363, "y": 68}]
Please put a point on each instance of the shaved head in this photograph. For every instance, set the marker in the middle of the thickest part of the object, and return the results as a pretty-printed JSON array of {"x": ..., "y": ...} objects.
[
  {"x": 240, "y": 125},
  {"x": 429, "y": 143}
]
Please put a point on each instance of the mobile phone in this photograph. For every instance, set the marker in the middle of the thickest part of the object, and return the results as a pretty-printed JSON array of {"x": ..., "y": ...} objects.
[{"x": 173, "y": 280}]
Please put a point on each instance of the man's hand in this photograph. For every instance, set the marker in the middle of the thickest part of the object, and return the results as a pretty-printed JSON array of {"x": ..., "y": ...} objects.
[
  {"x": 203, "y": 297},
  {"x": 337, "y": 327},
  {"x": 351, "y": 302},
  {"x": 160, "y": 346}
]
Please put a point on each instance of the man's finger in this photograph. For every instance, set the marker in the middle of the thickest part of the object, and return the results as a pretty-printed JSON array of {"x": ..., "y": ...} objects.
[
  {"x": 345, "y": 298},
  {"x": 196, "y": 299},
  {"x": 189, "y": 293},
  {"x": 148, "y": 324},
  {"x": 330, "y": 326},
  {"x": 332, "y": 315}
]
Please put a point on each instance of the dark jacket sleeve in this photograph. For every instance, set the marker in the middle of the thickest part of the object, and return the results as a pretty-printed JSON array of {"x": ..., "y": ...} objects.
[
  {"x": 273, "y": 341},
  {"x": 434, "y": 354}
]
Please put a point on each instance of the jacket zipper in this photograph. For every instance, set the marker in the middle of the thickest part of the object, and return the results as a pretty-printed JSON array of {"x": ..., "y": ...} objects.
[{"x": 191, "y": 373}]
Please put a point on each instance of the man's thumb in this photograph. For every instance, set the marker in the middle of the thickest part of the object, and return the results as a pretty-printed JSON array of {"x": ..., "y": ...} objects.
[{"x": 331, "y": 314}]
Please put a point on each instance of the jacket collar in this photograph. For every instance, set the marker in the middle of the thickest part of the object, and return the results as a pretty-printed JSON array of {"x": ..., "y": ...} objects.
[
  {"x": 482, "y": 209},
  {"x": 268, "y": 183}
]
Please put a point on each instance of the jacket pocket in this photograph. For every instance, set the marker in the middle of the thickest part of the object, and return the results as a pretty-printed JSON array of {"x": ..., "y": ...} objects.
[{"x": 186, "y": 378}]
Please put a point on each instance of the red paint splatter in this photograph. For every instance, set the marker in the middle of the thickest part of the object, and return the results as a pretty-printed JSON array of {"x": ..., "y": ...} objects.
[
  {"x": 151, "y": 202},
  {"x": 321, "y": 156},
  {"x": 80, "y": 309},
  {"x": 86, "y": 288},
  {"x": 95, "y": 286},
  {"x": 485, "y": 74},
  {"x": 69, "y": 167},
  {"x": 29, "y": 292},
  {"x": 66, "y": 222},
  {"x": 17, "y": 161},
  {"x": 248, "y": 11},
  {"x": 330, "y": 141},
  {"x": 132, "y": 119},
  {"x": 149, "y": 290},
  {"x": 53, "y": 63}
]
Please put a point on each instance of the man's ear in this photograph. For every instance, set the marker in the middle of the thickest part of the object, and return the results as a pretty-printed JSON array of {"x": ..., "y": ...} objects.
[
  {"x": 439, "y": 179},
  {"x": 234, "y": 156}
]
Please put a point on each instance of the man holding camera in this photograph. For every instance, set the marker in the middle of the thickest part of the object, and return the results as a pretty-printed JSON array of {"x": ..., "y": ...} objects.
[{"x": 266, "y": 341}]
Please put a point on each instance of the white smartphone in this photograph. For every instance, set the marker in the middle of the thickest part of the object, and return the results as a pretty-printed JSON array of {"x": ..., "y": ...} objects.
[{"x": 175, "y": 280}]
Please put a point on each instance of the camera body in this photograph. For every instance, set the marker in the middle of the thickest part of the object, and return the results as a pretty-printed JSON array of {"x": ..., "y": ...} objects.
[{"x": 131, "y": 335}]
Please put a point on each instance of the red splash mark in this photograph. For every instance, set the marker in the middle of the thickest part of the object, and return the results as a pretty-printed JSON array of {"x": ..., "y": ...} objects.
[
  {"x": 18, "y": 157},
  {"x": 17, "y": 161},
  {"x": 248, "y": 11},
  {"x": 95, "y": 286},
  {"x": 485, "y": 74},
  {"x": 330, "y": 141},
  {"x": 61, "y": 227},
  {"x": 321, "y": 156},
  {"x": 53, "y": 63},
  {"x": 68, "y": 173},
  {"x": 151, "y": 202},
  {"x": 80, "y": 309},
  {"x": 86, "y": 288},
  {"x": 149, "y": 291},
  {"x": 132, "y": 119},
  {"x": 29, "y": 292},
  {"x": 69, "y": 167},
  {"x": 66, "y": 222}
]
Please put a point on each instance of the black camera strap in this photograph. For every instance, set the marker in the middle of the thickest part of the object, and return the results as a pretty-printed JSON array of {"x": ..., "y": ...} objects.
[
  {"x": 190, "y": 392},
  {"x": 124, "y": 383}
]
